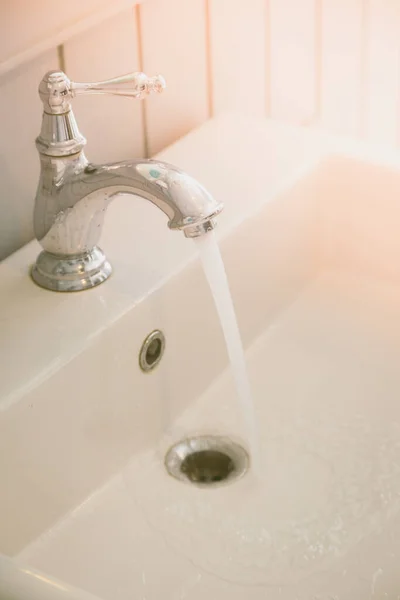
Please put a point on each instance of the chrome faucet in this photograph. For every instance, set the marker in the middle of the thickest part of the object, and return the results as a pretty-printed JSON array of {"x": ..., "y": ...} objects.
[{"x": 73, "y": 194}]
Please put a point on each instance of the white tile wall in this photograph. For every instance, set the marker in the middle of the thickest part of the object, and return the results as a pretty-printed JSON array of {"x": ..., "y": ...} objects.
[{"x": 329, "y": 63}]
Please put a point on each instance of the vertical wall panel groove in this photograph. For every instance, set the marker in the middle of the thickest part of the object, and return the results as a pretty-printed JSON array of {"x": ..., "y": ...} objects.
[
  {"x": 209, "y": 59},
  {"x": 383, "y": 71},
  {"x": 238, "y": 55},
  {"x": 174, "y": 45},
  {"x": 61, "y": 57},
  {"x": 362, "y": 123},
  {"x": 292, "y": 59},
  {"x": 112, "y": 125},
  {"x": 318, "y": 62},
  {"x": 267, "y": 54},
  {"x": 341, "y": 65},
  {"x": 143, "y": 105}
]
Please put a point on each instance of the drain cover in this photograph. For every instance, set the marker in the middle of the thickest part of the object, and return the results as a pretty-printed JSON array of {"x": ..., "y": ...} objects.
[{"x": 207, "y": 460}]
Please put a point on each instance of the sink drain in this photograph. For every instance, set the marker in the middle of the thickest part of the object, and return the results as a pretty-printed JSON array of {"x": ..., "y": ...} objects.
[{"x": 207, "y": 460}]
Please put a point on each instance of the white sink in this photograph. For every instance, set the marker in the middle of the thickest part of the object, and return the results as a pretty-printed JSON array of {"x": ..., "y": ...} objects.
[{"x": 310, "y": 239}]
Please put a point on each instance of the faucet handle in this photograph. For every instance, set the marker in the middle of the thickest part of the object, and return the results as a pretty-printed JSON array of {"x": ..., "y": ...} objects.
[
  {"x": 56, "y": 90},
  {"x": 134, "y": 85}
]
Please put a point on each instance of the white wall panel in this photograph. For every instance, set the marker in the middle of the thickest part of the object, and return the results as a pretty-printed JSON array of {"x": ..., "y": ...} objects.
[
  {"x": 342, "y": 38},
  {"x": 383, "y": 71},
  {"x": 28, "y": 28},
  {"x": 112, "y": 125},
  {"x": 292, "y": 59},
  {"x": 20, "y": 118},
  {"x": 334, "y": 63},
  {"x": 174, "y": 44},
  {"x": 238, "y": 55}
]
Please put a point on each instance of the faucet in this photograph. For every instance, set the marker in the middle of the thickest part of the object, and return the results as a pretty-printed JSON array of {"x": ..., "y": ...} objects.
[{"x": 73, "y": 194}]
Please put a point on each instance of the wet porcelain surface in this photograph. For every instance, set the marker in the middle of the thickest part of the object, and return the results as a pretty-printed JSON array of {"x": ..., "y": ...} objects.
[{"x": 311, "y": 246}]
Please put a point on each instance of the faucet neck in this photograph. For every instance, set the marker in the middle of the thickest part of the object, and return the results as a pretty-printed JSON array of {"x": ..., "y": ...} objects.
[{"x": 59, "y": 135}]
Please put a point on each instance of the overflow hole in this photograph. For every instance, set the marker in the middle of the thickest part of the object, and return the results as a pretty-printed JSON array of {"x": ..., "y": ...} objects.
[{"x": 152, "y": 350}]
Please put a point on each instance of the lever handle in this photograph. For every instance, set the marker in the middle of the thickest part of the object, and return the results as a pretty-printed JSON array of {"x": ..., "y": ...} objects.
[
  {"x": 134, "y": 85},
  {"x": 56, "y": 90}
]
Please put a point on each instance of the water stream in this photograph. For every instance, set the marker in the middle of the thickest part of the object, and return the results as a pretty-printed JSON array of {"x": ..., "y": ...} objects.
[{"x": 214, "y": 270}]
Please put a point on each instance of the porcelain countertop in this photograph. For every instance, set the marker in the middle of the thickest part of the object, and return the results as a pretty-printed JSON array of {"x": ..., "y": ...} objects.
[{"x": 243, "y": 161}]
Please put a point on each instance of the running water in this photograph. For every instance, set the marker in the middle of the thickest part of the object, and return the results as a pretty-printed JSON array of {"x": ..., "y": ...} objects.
[{"x": 215, "y": 272}]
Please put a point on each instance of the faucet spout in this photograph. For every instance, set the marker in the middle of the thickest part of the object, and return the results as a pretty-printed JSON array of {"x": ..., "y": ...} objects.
[
  {"x": 71, "y": 202},
  {"x": 186, "y": 203}
]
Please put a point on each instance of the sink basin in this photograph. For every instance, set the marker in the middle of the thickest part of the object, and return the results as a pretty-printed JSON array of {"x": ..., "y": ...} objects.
[{"x": 312, "y": 250}]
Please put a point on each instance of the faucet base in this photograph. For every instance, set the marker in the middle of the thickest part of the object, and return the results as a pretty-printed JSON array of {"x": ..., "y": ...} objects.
[{"x": 71, "y": 273}]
